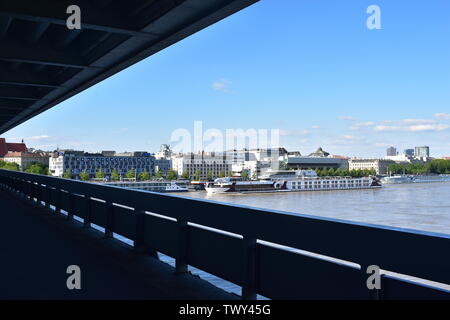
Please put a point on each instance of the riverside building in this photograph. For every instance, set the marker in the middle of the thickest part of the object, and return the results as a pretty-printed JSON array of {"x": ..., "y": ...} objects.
[
  {"x": 79, "y": 161},
  {"x": 26, "y": 159},
  {"x": 379, "y": 165},
  {"x": 203, "y": 163}
]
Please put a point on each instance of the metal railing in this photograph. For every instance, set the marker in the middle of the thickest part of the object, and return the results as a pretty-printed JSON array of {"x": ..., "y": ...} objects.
[{"x": 254, "y": 248}]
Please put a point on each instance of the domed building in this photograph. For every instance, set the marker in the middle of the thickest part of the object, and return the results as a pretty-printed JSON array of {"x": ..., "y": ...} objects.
[{"x": 319, "y": 153}]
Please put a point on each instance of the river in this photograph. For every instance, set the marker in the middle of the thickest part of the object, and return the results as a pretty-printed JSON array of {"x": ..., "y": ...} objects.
[{"x": 420, "y": 206}]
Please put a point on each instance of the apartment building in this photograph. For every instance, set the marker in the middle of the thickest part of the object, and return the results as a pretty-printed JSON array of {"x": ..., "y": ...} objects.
[
  {"x": 79, "y": 161},
  {"x": 203, "y": 163},
  {"x": 380, "y": 165},
  {"x": 26, "y": 159}
]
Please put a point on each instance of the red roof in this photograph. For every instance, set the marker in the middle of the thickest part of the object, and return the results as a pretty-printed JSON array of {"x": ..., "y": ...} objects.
[
  {"x": 6, "y": 147},
  {"x": 14, "y": 154}
]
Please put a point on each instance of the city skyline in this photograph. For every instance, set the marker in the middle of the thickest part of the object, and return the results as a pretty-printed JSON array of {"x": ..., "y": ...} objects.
[{"x": 319, "y": 75}]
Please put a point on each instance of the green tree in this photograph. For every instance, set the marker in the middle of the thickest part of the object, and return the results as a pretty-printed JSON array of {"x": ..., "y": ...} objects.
[
  {"x": 68, "y": 174},
  {"x": 339, "y": 172},
  {"x": 9, "y": 166},
  {"x": 158, "y": 174},
  {"x": 244, "y": 174},
  {"x": 84, "y": 175},
  {"x": 100, "y": 174},
  {"x": 171, "y": 175},
  {"x": 185, "y": 175},
  {"x": 197, "y": 175},
  {"x": 331, "y": 172},
  {"x": 115, "y": 175},
  {"x": 346, "y": 173},
  {"x": 230, "y": 174},
  {"x": 131, "y": 174},
  {"x": 323, "y": 172},
  {"x": 254, "y": 175},
  {"x": 37, "y": 168},
  {"x": 144, "y": 175},
  {"x": 222, "y": 174}
]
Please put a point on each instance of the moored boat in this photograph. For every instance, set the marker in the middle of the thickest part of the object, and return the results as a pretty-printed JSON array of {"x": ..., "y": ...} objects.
[{"x": 302, "y": 180}]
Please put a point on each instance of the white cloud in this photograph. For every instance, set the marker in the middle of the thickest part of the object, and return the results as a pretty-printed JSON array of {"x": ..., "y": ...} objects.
[
  {"x": 444, "y": 116},
  {"x": 221, "y": 85},
  {"x": 34, "y": 138},
  {"x": 359, "y": 125},
  {"x": 351, "y": 138},
  {"x": 348, "y": 118},
  {"x": 413, "y": 128},
  {"x": 417, "y": 121},
  {"x": 294, "y": 132},
  {"x": 315, "y": 127},
  {"x": 382, "y": 144}
]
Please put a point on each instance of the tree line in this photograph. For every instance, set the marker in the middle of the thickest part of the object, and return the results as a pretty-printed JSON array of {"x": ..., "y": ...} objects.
[
  {"x": 115, "y": 175},
  {"x": 36, "y": 167},
  {"x": 438, "y": 166},
  {"x": 359, "y": 173}
]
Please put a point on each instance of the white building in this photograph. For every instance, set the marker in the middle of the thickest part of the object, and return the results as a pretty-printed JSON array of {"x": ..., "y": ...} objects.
[
  {"x": 164, "y": 153},
  {"x": 399, "y": 158},
  {"x": 26, "y": 159},
  {"x": 422, "y": 152},
  {"x": 202, "y": 163},
  {"x": 254, "y": 168},
  {"x": 380, "y": 165}
]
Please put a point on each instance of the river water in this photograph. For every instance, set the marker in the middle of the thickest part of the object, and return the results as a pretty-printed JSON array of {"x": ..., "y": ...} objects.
[{"x": 420, "y": 206}]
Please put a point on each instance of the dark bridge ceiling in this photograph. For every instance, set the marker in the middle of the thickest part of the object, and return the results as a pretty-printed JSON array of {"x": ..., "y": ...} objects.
[{"x": 43, "y": 63}]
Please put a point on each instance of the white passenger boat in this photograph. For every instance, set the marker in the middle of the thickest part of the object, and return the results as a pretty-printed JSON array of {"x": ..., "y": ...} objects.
[
  {"x": 302, "y": 180},
  {"x": 397, "y": 179},
  {"x": 415, "y": 179},
  {"x": 155, "y": 186}
]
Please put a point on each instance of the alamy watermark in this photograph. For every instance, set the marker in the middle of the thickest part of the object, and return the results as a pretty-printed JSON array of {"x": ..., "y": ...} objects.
[
  {"x": 217, "y": 142},
  {"x": 74, "y": 20},
  {"x": 374, "y": 280},
  {"x": 374, "y": 20},
  {"x": 74, "y": 280}
]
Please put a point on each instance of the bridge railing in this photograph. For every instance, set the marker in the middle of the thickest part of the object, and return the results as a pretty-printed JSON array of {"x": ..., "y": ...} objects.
[{"x": 254, "y": 248}]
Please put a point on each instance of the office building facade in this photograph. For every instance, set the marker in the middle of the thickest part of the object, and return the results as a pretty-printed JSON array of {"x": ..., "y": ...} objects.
[
  {"x": 78, "y": 161},
  {"x": 379, "y": 165},
  {"x": 422, "y": 152}
]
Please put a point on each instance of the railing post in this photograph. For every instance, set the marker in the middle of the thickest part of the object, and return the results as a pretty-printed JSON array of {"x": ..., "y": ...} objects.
[
  {"x": 47, "y": 197},
  {"x": 33, "y": 192},
  {"x": 22, "y": 188},
  {"x": 109, "y": 220},
  {"x": 181, "y": 261},
  {"x": 138, "y": 245},
  {"x": 70, "y": 211},
  {"x": 87, "y": 214},
  {"x": 58, "y": 200},
  {"x": 249, "y": 274}
]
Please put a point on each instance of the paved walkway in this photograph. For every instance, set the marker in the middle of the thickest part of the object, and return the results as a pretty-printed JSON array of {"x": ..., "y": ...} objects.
[{"x": 36, "y": 247}]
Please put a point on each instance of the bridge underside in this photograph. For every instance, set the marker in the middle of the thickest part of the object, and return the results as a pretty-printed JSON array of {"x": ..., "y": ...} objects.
[
  {"x": 34, "y": 260},
  {"x": 43, "y": 63}
]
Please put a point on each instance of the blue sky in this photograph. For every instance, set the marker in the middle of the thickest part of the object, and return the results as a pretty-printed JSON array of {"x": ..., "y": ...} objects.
[{"x": 310, "y": 68}]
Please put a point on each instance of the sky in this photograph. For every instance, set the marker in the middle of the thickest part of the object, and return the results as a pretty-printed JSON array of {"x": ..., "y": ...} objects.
[{"x": 310, "y": 68}]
